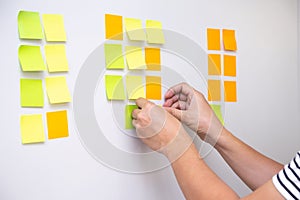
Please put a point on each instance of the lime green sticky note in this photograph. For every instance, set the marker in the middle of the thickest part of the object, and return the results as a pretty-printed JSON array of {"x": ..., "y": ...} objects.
[
  {"x": 128, "y": 116},
  {"x": 114, "y": 56},
  {"x": 135, "y": 87},
  {"x": 114, "y": 87},
  {"x": 32, "y": 94},
  {"x": 56, "y": 58},
  {"x": 217, "y": 110},
  {"x": 32, "y": 128},
  {"x": 135, "y": 29},
  {"x": 29, "y": 25},
  {"x": 154, "y": 32},
  {"x": 31, "y": 58},
  {"x": 57, "y": 90},
  {"x": 54, "y": 28},
  {"x": 135, "y": 58}
]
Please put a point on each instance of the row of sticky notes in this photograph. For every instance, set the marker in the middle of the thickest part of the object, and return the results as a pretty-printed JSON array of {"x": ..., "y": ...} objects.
[
  {"x": 135, "y": 87},
  {"x": 30, "y": 27},
  {"x": 134, "y": 28},
  {"x": 229, "y": 64},
  {"x": 214, "y": 90},
  {"x": 214, "y": 39},
  {"x": 32, "y": 126}
]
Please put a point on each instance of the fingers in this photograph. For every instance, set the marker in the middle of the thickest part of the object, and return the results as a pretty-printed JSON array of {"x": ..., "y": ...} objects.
[
  {"x": 141, "y": 102},
  {"x": 181, "y": 88},
  {"x": 175, "y": 112}
]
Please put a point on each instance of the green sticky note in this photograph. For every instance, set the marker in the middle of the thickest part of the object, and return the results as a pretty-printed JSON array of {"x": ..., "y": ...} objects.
[
  {"x": 217, "y": 110},
  {"x": 32, "y": 128},
  {"x": 128, "y": 116},
  {"x": 135, "y": 87},
  {"x": 114, "y": 87},
  {"x": 31, "y": 58},
  {"x": 114, "y": 56},
  {"x": 29, "y": 25},
  {"x": 135, "y": 58},
  {"x": 32, "y": 94},
  {"x": 57, "y": 90}
]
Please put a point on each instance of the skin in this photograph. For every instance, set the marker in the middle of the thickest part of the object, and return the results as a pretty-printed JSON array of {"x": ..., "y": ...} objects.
[{"x": 185, "y": 105}]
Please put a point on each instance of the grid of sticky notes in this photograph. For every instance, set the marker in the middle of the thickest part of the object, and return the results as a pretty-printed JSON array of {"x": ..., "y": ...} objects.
[
  {"x": 137, "y": 59},
  {"x": 34, "y": 60}
]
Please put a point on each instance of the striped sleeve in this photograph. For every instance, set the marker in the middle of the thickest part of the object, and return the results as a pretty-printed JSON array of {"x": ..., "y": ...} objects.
[{"x": 287, "y": 181}]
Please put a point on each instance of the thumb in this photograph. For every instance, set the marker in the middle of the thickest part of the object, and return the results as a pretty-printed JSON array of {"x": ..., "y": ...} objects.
[{"x": 175, "y": 112}]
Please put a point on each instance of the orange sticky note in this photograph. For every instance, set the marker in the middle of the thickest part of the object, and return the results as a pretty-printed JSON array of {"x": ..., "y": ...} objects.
[
  {"x": 153, "y": 87},
  {"x": 114, "y": 27},
  {"x": 229, "y": 40},
  {"x": 214, "y": 90},
  {"x": 57, "y": 123},
  {"x": 152, "y": 58},
  {"x": 229, "y": 65},
  {"x": 213, "y": 39},
  {"x": 214, "y": 64},
  {"x": 230, "y": 91}
]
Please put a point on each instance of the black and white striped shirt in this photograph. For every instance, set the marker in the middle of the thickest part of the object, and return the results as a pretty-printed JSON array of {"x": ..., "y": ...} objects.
[{"x": 287, "y": 181}]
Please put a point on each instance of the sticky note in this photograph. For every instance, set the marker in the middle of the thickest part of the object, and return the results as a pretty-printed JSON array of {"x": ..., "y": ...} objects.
[
  {"x": 135, "y": 29},
  {"x": 153, "y": 87},
  {"x": 29, "y": 25},
  {"x": 230, "y": 91},
  {"x": 229, "y": 65},
  {"x": 135, "y": 58},
  {"x": 135, "y": 87},
  {"x": 57, "y": 90},
  {"x": 54, "y": 28},
  {"x": 57, "y": 123},
  {"x": 214, "y": 90},
  {"x": 213, "y": 39},
  {"x": 30, "y": 58},
  {"x": 113, "y": 27},
  {"x": 114, "y": 56},
  {"x": 152, "y": 58},
  {"x": 115, "y": 89},
  {"x": 128, "y": 116},
  {"x": 214, "y": 64},
  {"x": 32, "y": 94},
  {"x": 229, "y": 40},
  {"x": 154, "y": 32},
  {"x": 218, "y": 112},
  {"x": 56, "y": 58},
  {"x": 32, "y": 128}
]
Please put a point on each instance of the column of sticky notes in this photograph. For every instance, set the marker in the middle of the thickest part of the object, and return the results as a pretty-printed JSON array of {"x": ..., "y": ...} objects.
[
  {"x": 138, "y": 60},
  {"x": 221, "y": 68},
  {"x": 32, "y": 60}
]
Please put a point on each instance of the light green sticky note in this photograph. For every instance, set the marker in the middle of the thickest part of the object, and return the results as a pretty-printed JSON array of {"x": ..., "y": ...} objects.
[
  {"x": 31, "y": 58},
  {"x": 114, "y": 87},
  {"x": 32, "y": 94},
  {"x": 57, "y": 90},
  {"x": 32, "y": 128},
  {"x": 135, "y": 29},
  {"x": 135, "y": 87},
  {"x": 154, "y": 32},
  {"x": 29, "y": 25},
  {"x": 54, "y": 28},
  {"x": 128, "y": 116},
  {"x": 114, "y": 56},
  {"x": 56, "y": 58},
  {"x": 217, "y": 110},
  {"x": 135, "y": 58}
]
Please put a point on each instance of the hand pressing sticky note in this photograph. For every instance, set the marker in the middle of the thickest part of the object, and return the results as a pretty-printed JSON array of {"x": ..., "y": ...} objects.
[
  {"x": 30, "y": 58},
  {"x": 135, "y": 87},
  {"x": 32, "y": 94},
  {"x": 29, "y": 25},
  {"x": 57, "y": 123},
  {"x": 230, "y": 91},
  {"x": 154, "y": 32},
  {"x": 128, "y": 116},
  {"x": 32, "y": 128},
  {"x": 57, "y": 90},
  {"x": 134, "y": 57},
  {"x": 114, "y": 56},
  {"x": 56, "y": 58},
  {"x": 114, "y": 87},
  {"x": 214, "y": 64},
  {"x": 135, "y": 29},
  {"x": 113, "y": 27},
  {"x": 54, "y": 28},
  {"x": 152, "y": 58},
  {"x": 214, "y": 90},
  {"x": 229, "y": 40},
  {"x": 229, "y": 65},
  {"x": 153, "y": 87},
  {"x": 213, "y": 39},
  {"x": 218, "y": 112}
]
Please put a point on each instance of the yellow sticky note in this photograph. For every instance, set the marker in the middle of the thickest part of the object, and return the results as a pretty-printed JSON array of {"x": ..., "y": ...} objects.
[
  {"x": 153, "y": 87},
  {"x": 213, "y": 39},
  {"x": 30, "y": 58},
  {"x": 229, "y": 40},
  {"x": 229, "y": 65},
  {"x": 29, "y": 25},
  {"x": 114, "y": 87},
  {"x": 57, "y": 123},
  {"x": 56, "y": 58},
  {"x": 135, "y": 58},
  {"x": 32, "y": 128},
  {"x": 32, "y": 94},
  {"x": 230, "y": 91},
  {"x": 135, "y": 87},
  {"x": 155, "y": 34},
  {"x": 218, "y": 112},
  {"x": 113, "y": 27},
  {"x": 54, "y": 28},
  {"x": 152, "y": 58},
  {"x": 214, "y": 90},
  {"x": 214, "y": 64},
  {"x": 57, "y": 90},
  {"x": 128, "y": 116},
  {"x": 135, "y": 29},
  {"x": 114, "y": 56}
]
